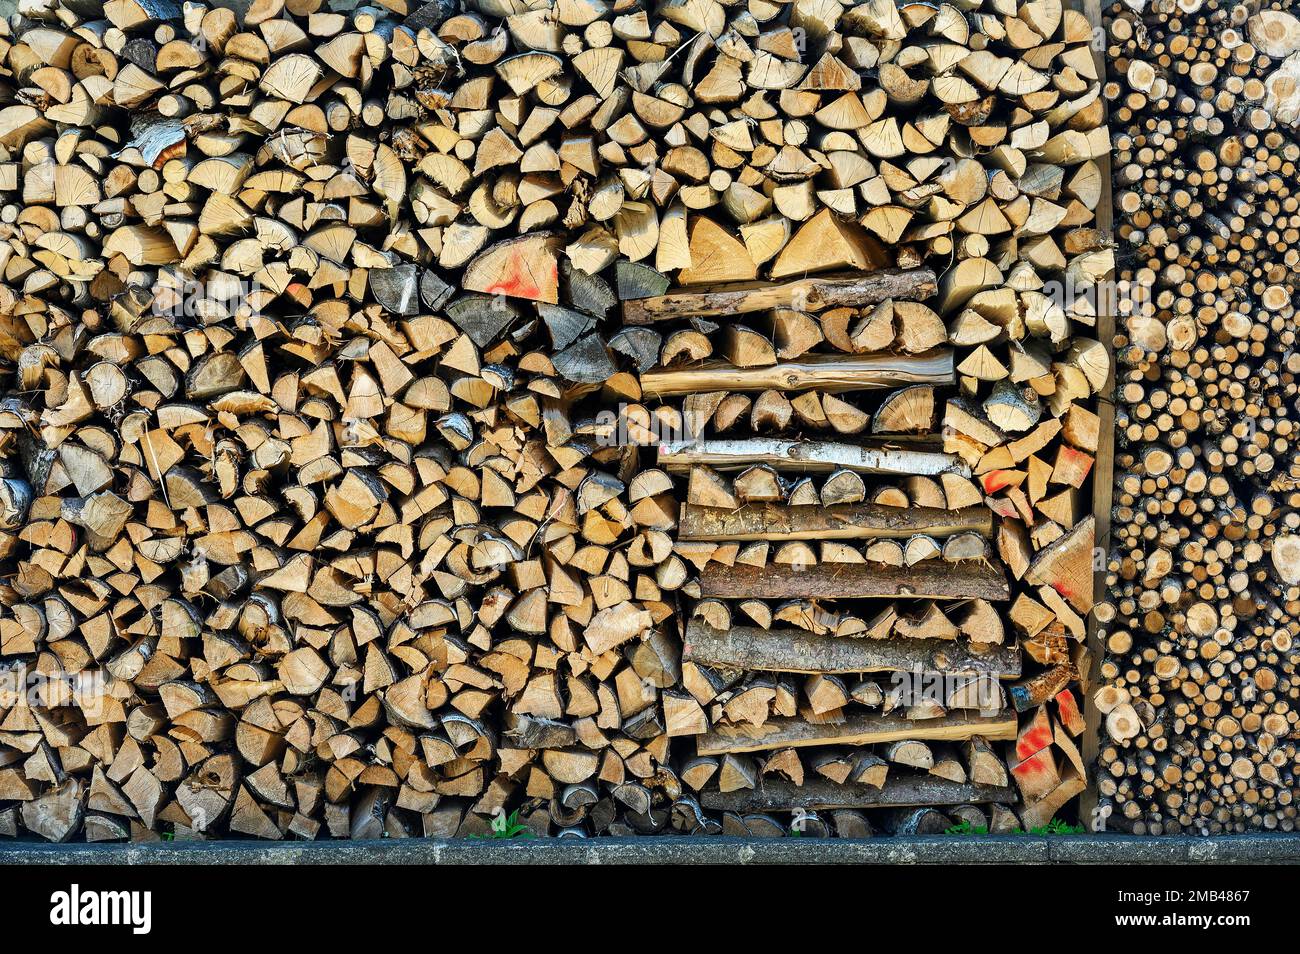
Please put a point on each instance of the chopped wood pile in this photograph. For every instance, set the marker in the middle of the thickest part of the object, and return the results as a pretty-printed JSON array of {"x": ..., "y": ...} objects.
[
  {"x": 1198, "y": 700},
  {"x": 642, "y": 417},
  {"x": 898, "y": 485}
]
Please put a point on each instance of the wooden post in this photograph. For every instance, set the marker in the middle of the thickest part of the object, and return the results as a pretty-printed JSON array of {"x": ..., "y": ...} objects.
[{"x": 1103, "y": 475}]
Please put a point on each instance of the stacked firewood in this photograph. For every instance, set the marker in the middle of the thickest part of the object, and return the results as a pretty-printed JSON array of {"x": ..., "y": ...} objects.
[
  {"x": 302, "y": 499},
  {"x": 1199, "y": 697},
  {"x": 840, "y": 443},
  {"x": 827, "y": 533},
  {"x": 337, "y": 345}
]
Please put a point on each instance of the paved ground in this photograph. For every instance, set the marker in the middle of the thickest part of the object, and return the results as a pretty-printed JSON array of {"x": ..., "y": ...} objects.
[{"x": 1068, "y": 849}]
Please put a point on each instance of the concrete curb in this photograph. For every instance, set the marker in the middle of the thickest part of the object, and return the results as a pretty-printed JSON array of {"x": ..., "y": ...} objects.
[{"x": 948, "y": 850}]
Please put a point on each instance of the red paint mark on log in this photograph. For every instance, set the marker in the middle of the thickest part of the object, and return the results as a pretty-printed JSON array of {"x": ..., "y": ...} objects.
[
  {"x": 1068, "y": 706},
  {"x": 1003, "y": 507},
  {"x": 1079, "y": 464},
  {"x": 1034, "y": 739},
  {"x": 1031, "y": 766},
  {"x": 519, "y": 280},
  {"x": 1036, "y": 775},
  {"x": 996, "y": 480}
]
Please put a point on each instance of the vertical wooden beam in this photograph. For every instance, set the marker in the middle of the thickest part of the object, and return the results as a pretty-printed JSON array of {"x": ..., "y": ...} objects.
[{"x": 1103, "y": 470}]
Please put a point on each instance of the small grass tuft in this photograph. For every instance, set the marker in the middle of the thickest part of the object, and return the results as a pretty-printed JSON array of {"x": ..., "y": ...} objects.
[
  {"x": 1054, "y": 827},
  {"x": 505, "y": 828}
]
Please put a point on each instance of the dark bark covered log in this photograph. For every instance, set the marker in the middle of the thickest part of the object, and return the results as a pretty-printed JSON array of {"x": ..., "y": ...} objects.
[
  {"x": 814, "y": 293},
  {"x": 793, "y": 650},
  {"x": 856, "y": 581},
  {"x": 841, "y": 522},
  {"x": 818, "y": 795}
]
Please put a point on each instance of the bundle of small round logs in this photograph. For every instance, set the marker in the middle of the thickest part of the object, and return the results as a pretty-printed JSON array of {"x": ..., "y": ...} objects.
[{"x": 1199, "y": 702}]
